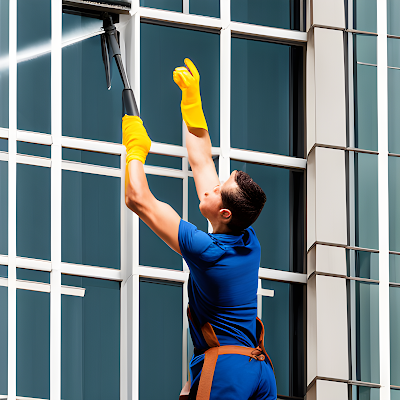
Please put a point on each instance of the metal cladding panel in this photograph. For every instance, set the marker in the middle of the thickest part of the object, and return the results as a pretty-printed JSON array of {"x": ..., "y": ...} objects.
[{"x": 96, "y": 9}]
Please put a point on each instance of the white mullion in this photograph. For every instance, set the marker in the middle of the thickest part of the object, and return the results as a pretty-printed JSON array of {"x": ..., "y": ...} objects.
[
  {"x": 3, "y": 156},
  {"x": 90, "y": 169},
  {"x": 12, "y": 209},
  {"x": 163, "y": 274},
  {"x": 3, "y": 133},
  {"x": 185, "y": 6},
  {"x": 383, "y": 193},
  {"x": 225, "y": 11},
  {"x": 34, "y": 137},
  {"x": 282, "y": 276},
  {"x": 92, "y": 145},
  {"x": 91, "y": 271}
]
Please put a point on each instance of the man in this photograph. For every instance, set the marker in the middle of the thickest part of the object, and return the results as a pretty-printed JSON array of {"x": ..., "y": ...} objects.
[{"x": 223, "y": 265}]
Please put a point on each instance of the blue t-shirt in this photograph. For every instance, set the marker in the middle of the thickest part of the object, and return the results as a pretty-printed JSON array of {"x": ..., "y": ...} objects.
[{"x": 223, "y": 283}]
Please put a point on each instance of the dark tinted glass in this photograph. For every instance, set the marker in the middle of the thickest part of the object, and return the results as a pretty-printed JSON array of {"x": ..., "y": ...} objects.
[
  {"x": 364, "y": 12},
  {"x": 3, "y": 144},
  {"x": 160, "y": 160},
  {"x": 4, "y": 207},
  {"x": 209, "y": 8},
  {"x": 33, "y": 212},
  {"x": 3, "y": 271},
  {"x": 90, "y": 340},
  {"x": 280, "y": 226},
  {"x": 4, "y": 63},
  {"x": 195, "y": 216},
  {"x": 162, "y": 50},
  {"x": 394, "y": 293},
  {"x": 3, "y": 341},
  {"x": 91, "y": 157},
  {"x": 152, "y": 250},
  {"x": 266, "y": 97},
  {"x": 362, "y": 264},
  {"x": 160, "y": 322},
  {"x": 171, "y": 5},
  {"x": 33, "y": 149},
  {"x": 34, "y": 276},
  {"x": 90, "y": 225}
]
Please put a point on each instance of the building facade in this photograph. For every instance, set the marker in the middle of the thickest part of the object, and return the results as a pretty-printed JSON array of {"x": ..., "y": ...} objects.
[{"x": 301, "y": 95}]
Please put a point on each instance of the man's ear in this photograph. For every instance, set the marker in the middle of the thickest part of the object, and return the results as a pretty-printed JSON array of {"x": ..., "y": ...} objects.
[{"x": 225, "y": 213}]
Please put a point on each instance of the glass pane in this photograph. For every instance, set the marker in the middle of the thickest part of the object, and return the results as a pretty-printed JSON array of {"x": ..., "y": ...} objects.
[
  {"x": 152, "y": 250},
  {"x": 364, "y": 331},
  {"x": 394, "y": 394},
  {"x": 4, "y": 207},
  {"x": 364, "y": 393},
  {"x": 75, "y": 26},
  {"x": 91, "y": 157},
  {"x": 90, "y": 110},
  {"x": 393, "y": 10},
  {"x": 284, "y": 311},
  {"x": 393, "y": 114},
  {"x": 3, "y": 144},
  {"x": 4, "y": 64},
  {"x": 278, "y": 14},
  {"x": 366, "y": 111},
  {"x": 90, "y": 225},
  {"x": 90, "y": 340},
  {"x": 162, "y": 49},
  {"x": 362, "y": 264},
  {"x": 364, "y": 15},
  {"x": 366, "y": 198},
  {"x": 33, "y": 344},
  {"x": 171, "y": 5},
  {"x": 394, "y": 201},
  {"x": 393, "y": 52},
  {"x": 3, "y": 271},
  {"x": 160, "y": 322},
  {"x": 160, "y": 160},
  {"x": 33, "y": 149},
  {"x": 267, "y": 107},
  {"x": 33, "y": 276},
  {"x": 209, "y": 8},
  {"x": 33, "y": 212},
  {"x": 3, "y": 340},
  {"x": 394, "y": 293},
  {"x": 365, "y": 48},
  {"x": 394, "y": 268},
  {"x": 195, "y": 216},
  {"x": 280, "y": 226}
]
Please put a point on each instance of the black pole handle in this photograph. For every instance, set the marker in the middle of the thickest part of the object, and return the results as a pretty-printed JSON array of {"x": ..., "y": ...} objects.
[{"x": 129, "y": 102}]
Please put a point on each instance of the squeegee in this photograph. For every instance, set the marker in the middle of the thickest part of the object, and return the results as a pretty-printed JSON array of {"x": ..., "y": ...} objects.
[{"x": 108, "y": 11}]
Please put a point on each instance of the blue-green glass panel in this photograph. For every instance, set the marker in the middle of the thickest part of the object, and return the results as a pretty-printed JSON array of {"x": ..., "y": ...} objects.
[
  {"x": 4, "y": 207},
  {"x": 152, "y": 250},
  {"x": 393, "y": 10},
  {"x": 34, "y": 149},
  {"x": 74, "y": 26},
  {"x": 365, "y": 48},
  {"x": 90, "y": 219},
  {"x": 4, "y": 13},
  {"x": 33, "y": 344},
  {"x": 3, "y": 340},
  {"x": 364, "y": 12},
  {"x": 160, "y": 160},
  {"x": 3, "y": 144},
  {"x": 394, "y": 296},
  {"x": 33, "y": 212},
  {"x": 195, "y": 216},
  {"x": 170, "y": 5},
  {"x": 91, "y": 157},
  {"x": 90, "y": 340},
  {"x": 210, "y": 8},
  {"x": 393, "y": 52},
  {"x": 162, "y": 49},
  {"x": 393, "y": 108},
  {"x": 366, "y": 199},
  {"x": 278, "y": 14},
  {"x": 281, "y": 218},
  {"x": 394, "y": 394},
  {"x": 364, "y": 393},
  {"x": 3, "y": 271},
  {"x": 366, "y": 108},
  {"x": 362, "y": 264},
  {"x": 394, "y": 201},
  {"x": 394, "y": 268},
  {"x": 160, "y": 322},
  {"x": 90, "y": 111},
  {"x": 33, "y": 276},
  {"x": 364, "y": 329}
]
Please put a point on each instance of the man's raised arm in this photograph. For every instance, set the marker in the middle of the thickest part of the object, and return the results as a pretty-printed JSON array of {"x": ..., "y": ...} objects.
[{"x": 198, "y": 141}]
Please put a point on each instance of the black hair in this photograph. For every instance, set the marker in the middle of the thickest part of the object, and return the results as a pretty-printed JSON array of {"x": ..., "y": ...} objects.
[{"x": 245, "y": 203}]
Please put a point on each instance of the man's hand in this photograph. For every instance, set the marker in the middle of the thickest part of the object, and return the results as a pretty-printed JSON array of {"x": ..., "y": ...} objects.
[
  {"x": 188, "y": 79},
  {"x": 135, "y": 139}
]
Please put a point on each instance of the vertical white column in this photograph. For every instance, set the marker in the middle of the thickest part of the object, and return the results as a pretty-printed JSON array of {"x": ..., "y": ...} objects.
[
  {"x": 56, "y": 153},
  {"x": 383, "y": 192},
  {"x": 12, "y": 200}
]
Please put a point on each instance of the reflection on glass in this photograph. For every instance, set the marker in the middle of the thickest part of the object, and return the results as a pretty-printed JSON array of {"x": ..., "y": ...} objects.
[
  {"x": 4, "y": 63},
  {"x": 90, "y": 225},
  {"x": 152, "y": 250},
  {"x": 394, "y": 268},
  {"x": 393, "y": 10},
  {"x": 33, "y": 212},
  {"x": 33, "y": 344},
  {"x": 393, "y": 114},
  {"x": 366, "y": 199},
  {"x": 280, "y": 226},
  {"x": 195, "y": 216},
  {"x": 162, "y": 49},
  {"x": 394, "y": 201},
  {"x": 3, "y": 340},
  {"x": 33, "y": 149},
  {"x": 76, "y": 26},
  {"x": 394, "y": 293},
  {"x": 90, "y": 340},
  {"x": 279, "y": 14},
  {"x": 160, "y": 322},
  {"x": 4, "y": 207},
  {"x": 285, "y": 310},
  {"x": 33, "y": 276},
  {"x": 170, "y": 5},
  {"x": 364, "y": 331},
  {"x": 91, "y": 157},
  {"x": 364, "y": 393},
  {"x": 160, "y": 160},
  {"x": 362, "y": 264},
  {"x": 364, "y": 12},
  {"x": 209, "y": 8},
  {"x": 266, "y": 108},
  {"x": 90, "y": 111}
]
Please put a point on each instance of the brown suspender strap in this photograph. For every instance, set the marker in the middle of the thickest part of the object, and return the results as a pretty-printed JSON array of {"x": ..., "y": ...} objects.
[{"x": 207, "y": 374}]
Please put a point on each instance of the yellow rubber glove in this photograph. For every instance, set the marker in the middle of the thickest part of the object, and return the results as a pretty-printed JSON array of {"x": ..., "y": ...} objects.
[
  {"x": 135, "y": 139},
  {"x": 188, "y": 79}
]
